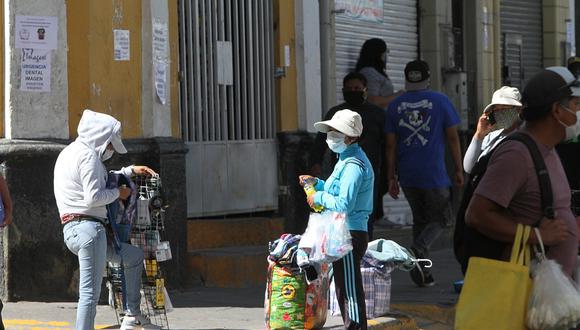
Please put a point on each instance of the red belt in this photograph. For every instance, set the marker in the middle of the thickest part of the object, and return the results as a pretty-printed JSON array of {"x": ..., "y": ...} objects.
[{"x": 79, "y": 217}]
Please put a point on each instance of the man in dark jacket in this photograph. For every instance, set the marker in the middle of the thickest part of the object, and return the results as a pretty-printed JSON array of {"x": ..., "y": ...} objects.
[{"x": 354, "y": 91}]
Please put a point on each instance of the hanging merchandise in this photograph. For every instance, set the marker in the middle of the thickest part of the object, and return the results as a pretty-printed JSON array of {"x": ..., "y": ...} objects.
[
  {"x": 146, "y": 232},
  {"x": 143, "y": 216},
  {"x": 163, "y": 251}
]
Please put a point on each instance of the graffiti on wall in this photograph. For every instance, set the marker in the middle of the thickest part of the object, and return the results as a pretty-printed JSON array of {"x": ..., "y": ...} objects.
[{"x": 364, "y": 10}]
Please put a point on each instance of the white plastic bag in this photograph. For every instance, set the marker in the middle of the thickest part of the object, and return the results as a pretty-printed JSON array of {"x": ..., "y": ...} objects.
[
  {"x": 326, "y": 238},
  {"x": 555, "y": 300}
]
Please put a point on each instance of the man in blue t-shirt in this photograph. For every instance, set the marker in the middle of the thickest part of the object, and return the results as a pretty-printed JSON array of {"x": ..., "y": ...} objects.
[{"x": 418, "y": 124}]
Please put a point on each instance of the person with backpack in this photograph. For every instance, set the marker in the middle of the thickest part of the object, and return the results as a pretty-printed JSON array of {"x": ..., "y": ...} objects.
[
  {"x": 349, "y": 190},
  {"x": 420, "y": 123},
  {"x": 81, "y": 196},
  {"x": 516, "y": 189},
  {"x": 499, "y": 118}
]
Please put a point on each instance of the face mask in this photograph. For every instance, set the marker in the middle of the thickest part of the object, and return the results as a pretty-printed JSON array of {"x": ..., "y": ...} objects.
[
  {"x": 354, "y": 97},
  {"x": 107, "y": 154},
  {"x": 573, "y": 130},
  {"x": 335, "y": 141},
  {"x": 505, "y": 118}
]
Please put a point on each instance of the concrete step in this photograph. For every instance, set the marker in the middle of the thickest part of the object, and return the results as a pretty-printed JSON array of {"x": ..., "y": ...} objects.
[
  {"x": 221, "y": 233},
  {"x": 230, "y": 267}
]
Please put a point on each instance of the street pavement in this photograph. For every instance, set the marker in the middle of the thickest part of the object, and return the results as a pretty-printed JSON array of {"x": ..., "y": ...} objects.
[{"x": 214, "y": 308}]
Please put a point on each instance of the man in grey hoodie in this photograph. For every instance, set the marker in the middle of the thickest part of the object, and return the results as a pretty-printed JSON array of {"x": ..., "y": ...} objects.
[{"x": 81, "y": 196}]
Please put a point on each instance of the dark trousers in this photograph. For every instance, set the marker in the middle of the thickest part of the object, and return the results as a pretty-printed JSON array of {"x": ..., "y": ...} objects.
[
  {"x": 348, "y": 284},
  {"x": 432, "y": 212}
]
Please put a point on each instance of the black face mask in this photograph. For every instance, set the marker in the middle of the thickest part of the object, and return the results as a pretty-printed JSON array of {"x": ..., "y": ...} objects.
[{"x": 354, "y": 97}]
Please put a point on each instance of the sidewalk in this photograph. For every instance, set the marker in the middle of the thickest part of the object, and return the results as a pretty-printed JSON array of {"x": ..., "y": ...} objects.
[{"x": 210, "y": 308}]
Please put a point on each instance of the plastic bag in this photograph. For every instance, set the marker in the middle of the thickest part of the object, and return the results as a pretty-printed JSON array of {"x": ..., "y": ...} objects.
[
  {"x": 555, "y": 300},
  {"x": 326, "y": 238}
]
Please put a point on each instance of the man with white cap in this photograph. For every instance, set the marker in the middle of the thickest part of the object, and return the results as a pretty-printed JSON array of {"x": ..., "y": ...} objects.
[
  {"x": 349, "y": 190},
  {"x": 499, "y": 118},
  {"x": 81, "y": 196},
  {"x": 509, "y": 192},
  {"x": 420, "y": 123}
]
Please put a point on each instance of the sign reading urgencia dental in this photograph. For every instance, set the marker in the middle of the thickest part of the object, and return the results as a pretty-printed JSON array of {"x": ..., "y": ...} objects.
[
  {"x": 35, "y": 70},
  {"x": 39, "y": 32}
]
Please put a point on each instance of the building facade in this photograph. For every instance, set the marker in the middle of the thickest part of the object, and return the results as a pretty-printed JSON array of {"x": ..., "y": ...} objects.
[{"x": 220, "y": 98}]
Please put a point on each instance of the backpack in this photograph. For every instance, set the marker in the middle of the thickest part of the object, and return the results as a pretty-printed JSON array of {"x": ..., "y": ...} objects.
[{"x": 467, "y": 241}]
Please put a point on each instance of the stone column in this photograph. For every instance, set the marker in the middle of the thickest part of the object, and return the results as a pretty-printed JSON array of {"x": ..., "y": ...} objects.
[
  {"x": 156, "y": 117},
  {"x": 554, "y": 17},
  {"x": 36, "y": 114},
  {"x": 35, "y": 262}
]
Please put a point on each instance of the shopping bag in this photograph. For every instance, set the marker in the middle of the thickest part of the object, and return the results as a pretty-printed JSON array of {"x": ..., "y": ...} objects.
[
  {"x": 326, "y": 238},
  {"x": 555, "y": 299},
  {"x": 495, "y": 293}
]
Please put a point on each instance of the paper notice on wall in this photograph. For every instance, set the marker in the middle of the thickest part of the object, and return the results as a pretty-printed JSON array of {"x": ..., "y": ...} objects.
[
  {"x": 38, "y": 32},
  {"x": 35, "y": 71},
  {"x": 160, "y": 43},
  {"x": 121, "y": 45},
  {"x": 160, "y": 69}
]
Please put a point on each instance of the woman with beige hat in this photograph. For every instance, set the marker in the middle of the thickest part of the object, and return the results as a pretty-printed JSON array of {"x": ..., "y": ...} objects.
[
  {"x": 349, "y": 190},
  {"x": 499, "y": 118}
]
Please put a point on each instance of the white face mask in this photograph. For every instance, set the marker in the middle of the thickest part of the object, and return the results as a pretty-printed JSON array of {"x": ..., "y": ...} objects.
[
  {"x": 573, "y": 130},
  {"x": 107, "y": 154},
  {"x": 335, "y": 141}
]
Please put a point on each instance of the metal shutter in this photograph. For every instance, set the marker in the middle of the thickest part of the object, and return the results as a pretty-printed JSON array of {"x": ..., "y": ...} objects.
[
  {"x": 521, "y": 40},
  {"x": 398, "y": 29}
]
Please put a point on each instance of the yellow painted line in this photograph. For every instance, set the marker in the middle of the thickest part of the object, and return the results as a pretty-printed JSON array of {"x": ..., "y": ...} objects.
[
  {"x": 35, "y": 322},
  {"x": 44, "y": 325}
]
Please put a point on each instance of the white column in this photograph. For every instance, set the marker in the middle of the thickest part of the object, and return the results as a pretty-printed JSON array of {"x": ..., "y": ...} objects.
[
  {"x": 30, "y": 115},
  {"x": 308, "y": 64},
  {"x": 156, "y": 117}
]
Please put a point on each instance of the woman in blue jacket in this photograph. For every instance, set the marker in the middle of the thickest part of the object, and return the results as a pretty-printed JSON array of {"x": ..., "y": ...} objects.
[{"x": 349, "y": 190}]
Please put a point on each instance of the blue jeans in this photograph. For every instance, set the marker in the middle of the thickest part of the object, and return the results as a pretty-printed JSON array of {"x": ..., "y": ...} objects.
[
  {"x": 133, "y": 266},
  {"x": 432, "y": 212},
  {"x": 88, "y": 240}
]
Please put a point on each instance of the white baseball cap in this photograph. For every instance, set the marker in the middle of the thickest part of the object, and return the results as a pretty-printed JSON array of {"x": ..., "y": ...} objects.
[
  {"x": 506, "y": 95},
  {"x": 345, "y": 121},
  {"x": 116, "y": 140}
]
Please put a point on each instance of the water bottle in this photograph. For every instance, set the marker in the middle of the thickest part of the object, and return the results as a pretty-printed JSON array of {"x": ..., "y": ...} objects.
[{"x": 309, "y": 190}]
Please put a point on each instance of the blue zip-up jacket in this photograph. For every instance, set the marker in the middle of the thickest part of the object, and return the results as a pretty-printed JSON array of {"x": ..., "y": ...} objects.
[{"x": 349, "y": 189}]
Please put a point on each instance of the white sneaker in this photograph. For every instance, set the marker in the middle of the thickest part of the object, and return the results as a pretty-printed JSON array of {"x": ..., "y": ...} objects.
[{"x": 137, "y": 322}]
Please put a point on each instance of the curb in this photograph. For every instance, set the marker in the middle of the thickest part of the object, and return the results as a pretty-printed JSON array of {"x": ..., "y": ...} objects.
[
  {"x": 391, "y": 321},
  {"x": 433, "y": 312}
]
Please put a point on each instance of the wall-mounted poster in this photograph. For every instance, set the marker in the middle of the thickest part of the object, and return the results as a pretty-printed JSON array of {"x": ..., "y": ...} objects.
[
  {"x": 121, "y": 45},
  {"x": 38, "y": 32},
  {"x": 35, "y": 70}
]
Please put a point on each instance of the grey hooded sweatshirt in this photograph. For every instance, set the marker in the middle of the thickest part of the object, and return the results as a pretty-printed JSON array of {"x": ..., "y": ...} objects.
[{"x": 80, "y": 176}]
